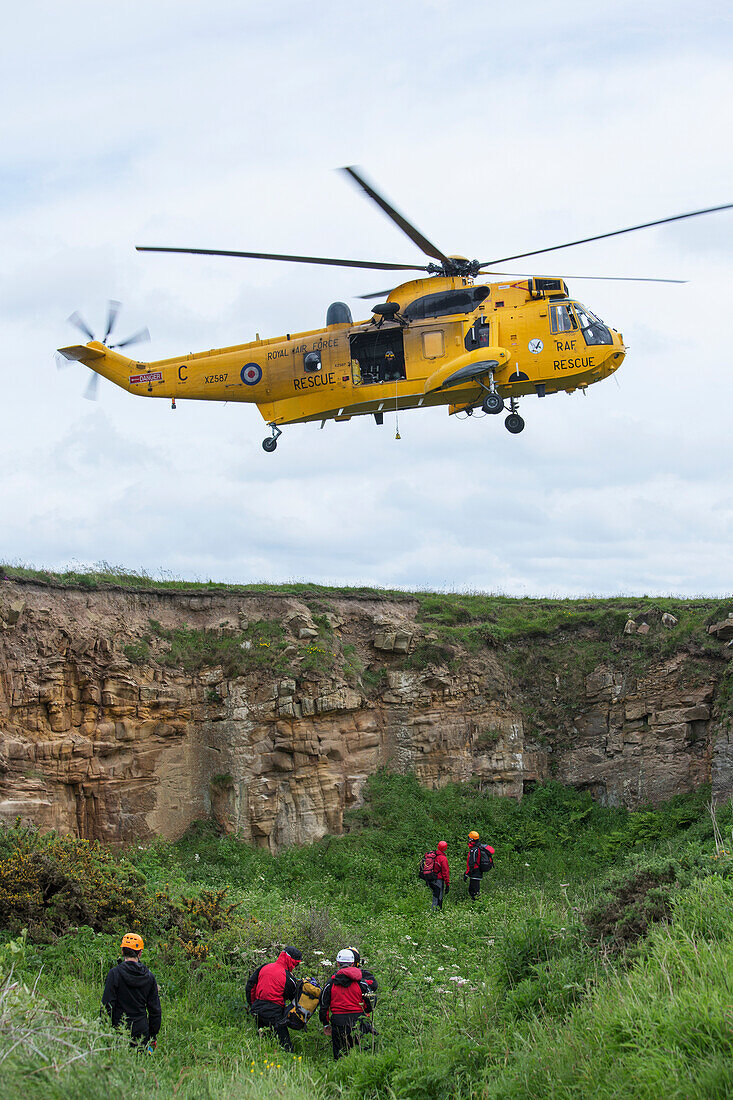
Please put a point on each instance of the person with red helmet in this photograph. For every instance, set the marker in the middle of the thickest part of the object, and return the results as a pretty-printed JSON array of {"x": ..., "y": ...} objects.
[
  {"x": 480, "y": 859},
  {"x": 434, "y": 871},
  {"x": 347, "y": 1001},
  {"x": 269, "y": 989},
  {"x": 131, "y": 994}
]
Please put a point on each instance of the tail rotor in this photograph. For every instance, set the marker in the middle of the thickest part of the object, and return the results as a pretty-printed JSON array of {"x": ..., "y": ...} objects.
[{"x": 91, "y": 392}]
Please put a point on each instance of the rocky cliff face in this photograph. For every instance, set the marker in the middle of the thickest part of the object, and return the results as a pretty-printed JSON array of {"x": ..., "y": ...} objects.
[{"x": 114, "y": 724}]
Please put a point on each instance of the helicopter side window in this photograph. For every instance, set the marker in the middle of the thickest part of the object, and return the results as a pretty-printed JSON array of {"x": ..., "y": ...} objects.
[
  {"x": 378, "y": 356},
  {"x": 312, "y": 362},
  {"x": 561, "y": 319},
  {"x": 594, "y": 331},
  {"x": 446, "y": 303}
]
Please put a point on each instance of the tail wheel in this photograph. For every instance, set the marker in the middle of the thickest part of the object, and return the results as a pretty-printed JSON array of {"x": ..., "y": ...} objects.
[
  {"x": 492, "y": 403},
  {"x": 514, "y": 423}
]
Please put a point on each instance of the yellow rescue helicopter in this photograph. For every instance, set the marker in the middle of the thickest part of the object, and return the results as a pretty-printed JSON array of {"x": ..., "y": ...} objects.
[{"x": 449, "y": 338}]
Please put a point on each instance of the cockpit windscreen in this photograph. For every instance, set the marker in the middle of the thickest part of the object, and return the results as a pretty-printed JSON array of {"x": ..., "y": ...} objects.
[{"x": 593, "y": 329}]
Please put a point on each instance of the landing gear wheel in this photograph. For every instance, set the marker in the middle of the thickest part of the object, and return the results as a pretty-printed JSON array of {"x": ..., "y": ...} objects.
[
  {"x": 492, "y": 403},
  {"x": 514, "y": 423},
  {"x": 269, "y": 444}
]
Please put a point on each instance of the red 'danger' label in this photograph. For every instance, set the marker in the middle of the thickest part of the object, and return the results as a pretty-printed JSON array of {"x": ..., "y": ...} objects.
[{"x": 153, "y": 376}]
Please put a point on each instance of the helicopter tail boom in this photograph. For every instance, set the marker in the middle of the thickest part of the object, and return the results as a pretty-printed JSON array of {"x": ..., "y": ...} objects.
[{"x": 135, "y": 377}]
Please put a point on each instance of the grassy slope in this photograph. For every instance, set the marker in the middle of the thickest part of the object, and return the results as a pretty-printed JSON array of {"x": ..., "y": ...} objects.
[{"x": 547, "y": 1009}]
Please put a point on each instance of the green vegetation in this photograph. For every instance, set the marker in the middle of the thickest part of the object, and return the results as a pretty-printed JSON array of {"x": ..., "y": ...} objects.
[
  {"x": 259, "y": 646},
  {"x": 597, "y": 962},
  {"x": 477, "y": 620},
  {"x": 138, "y": 652}
]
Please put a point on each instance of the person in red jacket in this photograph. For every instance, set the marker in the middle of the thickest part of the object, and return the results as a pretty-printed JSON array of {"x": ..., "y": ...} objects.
[
  {"x": 270, "y": 988},
  {"x": 346, "y": 1002},
  {"x": 480, "y": 859},
  {"x": 439, "y": 881}
]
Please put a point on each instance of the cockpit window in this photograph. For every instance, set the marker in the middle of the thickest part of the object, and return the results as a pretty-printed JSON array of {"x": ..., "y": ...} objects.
[
  {"x": 445, "y": 303},
  {"x": 594, "y": 331},
  {"x": 561, "y": 319}
]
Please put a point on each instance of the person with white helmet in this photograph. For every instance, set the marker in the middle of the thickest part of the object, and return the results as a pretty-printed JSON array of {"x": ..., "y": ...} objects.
[{"x": 347, "y": 1000}]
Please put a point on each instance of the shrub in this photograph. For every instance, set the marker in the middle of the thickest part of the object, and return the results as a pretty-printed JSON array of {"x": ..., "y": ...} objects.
[{"x": 50, "y": 883}]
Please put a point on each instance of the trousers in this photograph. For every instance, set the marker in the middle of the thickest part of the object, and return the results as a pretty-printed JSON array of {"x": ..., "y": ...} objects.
[
  {"x": 437, "y": 887},
  {"x": 474, "y": 886},
  {"x": 272, "y": 1018},
  {"x": 344, "y": 1032}
]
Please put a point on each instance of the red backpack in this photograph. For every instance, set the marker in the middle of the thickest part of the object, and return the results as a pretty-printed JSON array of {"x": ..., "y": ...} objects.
[{"x": 427, "y": 869}]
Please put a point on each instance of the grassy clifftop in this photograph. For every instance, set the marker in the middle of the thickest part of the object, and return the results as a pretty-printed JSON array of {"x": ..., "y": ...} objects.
[{"x": 472, "y": 620}]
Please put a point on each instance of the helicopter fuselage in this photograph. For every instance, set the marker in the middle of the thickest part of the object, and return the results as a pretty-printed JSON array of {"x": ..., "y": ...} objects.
[{"x": 436, "y": 341}]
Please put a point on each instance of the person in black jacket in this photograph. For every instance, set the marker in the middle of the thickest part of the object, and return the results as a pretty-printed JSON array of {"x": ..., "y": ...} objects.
[{"x": 131, "y": 994}]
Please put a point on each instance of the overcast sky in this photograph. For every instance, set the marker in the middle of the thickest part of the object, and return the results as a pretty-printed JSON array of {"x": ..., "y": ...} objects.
[{"x": 497, "y": 129}]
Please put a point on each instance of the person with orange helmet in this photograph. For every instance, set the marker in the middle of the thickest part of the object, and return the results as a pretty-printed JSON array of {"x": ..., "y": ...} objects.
[
  {"x": 434, "y": 871},
  {"x": 480, "y": 859},
  {"x": 131, "y": 994}
]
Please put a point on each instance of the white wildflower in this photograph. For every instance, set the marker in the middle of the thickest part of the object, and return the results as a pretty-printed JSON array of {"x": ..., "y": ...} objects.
[
  {"x": 326, "y": 962},
  {"x": 428, "y": 978},
  {"x": 197, "y": 857},
  {"x": 441, "y": 968},
  {"x": 317, "y": 952}
]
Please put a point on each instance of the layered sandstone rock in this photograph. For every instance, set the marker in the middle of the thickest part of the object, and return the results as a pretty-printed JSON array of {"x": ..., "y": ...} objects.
[{"x": 103, "y": 740}]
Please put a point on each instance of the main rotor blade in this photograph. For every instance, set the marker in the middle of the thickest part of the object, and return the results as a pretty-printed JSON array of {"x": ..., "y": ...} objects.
[
  {"x": 92, "y": 390},
  {"x": 141, "y": 337},
  {"x": 376, "y": 294},
  {"x": 400, "y": 220},
  {"x": 112, "y": 311},
  {"x": 374, "y": 265},
  {"x": 518, "y": 275},
  {"x": 596, "y": 278},
  {"x": 615, "y": 233},
  {"x": 78, "y": 322}
]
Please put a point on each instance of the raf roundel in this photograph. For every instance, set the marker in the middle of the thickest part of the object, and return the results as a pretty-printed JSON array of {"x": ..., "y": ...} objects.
[{"x": 251, "y": 374}]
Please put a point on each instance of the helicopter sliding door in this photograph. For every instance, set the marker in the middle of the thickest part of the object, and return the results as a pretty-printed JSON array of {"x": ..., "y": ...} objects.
[{"x": 378, "y": 356}]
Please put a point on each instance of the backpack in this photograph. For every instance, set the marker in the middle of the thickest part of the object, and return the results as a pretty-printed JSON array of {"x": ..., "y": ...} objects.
[
  {"x": 487, "y": 860},
  {"x": 299, "y": 1011},
  {"x": 426, "y": 868},
  {"x": 480, "y": 859}
]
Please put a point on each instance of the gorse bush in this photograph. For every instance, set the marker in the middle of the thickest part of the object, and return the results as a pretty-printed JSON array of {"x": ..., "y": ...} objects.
[
  {"x": 597, "y": 960},
  {"x": 49, "y": 884}
]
